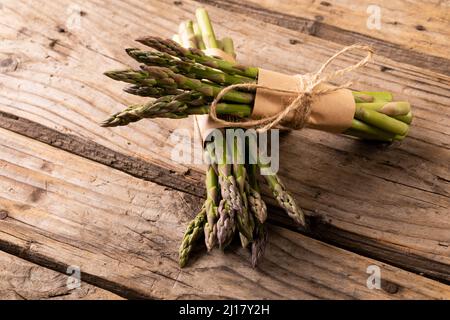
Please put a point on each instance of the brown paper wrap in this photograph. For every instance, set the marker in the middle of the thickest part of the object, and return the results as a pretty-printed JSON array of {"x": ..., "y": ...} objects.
[{"x": 332, "y": 112}]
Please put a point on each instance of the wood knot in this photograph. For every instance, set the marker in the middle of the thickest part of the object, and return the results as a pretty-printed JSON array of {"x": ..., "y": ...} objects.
[
  {"x": 420, "y": 27},
  {"x": 61, "y": 29},
  {"x": 8, "y": 64},
  {"x": 37, "y": 194},
  {"x": 3, "y": 214},
  {"x": 389, "y": 287}
]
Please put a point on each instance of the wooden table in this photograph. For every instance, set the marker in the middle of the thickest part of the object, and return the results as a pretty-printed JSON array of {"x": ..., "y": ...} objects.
[{"x": 114, "y": 204}]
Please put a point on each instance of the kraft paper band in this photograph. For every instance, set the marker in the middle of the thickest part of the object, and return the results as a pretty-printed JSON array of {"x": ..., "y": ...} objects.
[
  {"x": 332, "y": 112},
  {"x": 205, "y": 124}
]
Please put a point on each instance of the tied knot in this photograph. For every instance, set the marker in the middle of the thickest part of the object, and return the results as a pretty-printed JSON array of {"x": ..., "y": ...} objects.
[{"x": 297, "y": 113}]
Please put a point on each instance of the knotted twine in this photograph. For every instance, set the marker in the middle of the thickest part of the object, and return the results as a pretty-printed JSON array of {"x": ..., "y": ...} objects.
[{"x": 300, "y": 108}]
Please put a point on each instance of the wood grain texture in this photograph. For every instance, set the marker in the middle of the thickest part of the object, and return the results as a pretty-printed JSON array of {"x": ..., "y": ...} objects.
[
  {"x": 320, "y": 228},
  {"x": 123, "y": 233},
  {"x": 23, "y": 280},
  {"x": 391, "y": 202},
  {"x": 416, "y": 33}
]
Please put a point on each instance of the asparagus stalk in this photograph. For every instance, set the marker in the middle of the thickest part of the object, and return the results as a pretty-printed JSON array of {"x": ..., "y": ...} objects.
[
  {"x": 226, "y": 224},
  {"x": 186, "y": 67},
  {"x": 153, "y": 92},
  {"x": 368, "y": 96},
  {"x": 166, "y": 106},
  {"x": 224, "y": 109},
  {"x": 283, "y": 197},
  {"x": 140, "y": 78},
  {"x": 259, "y": 245},
  {"x": 381, "y": 121},
  {"x": 162, "y": 108},
  {"x": 399, "y": 108},
  {"x": 219, "y": 44},
  {"x": 359, "y": 126},
  {"x": 231, "y": 203},
  {"x": 193, "y": 233},
  {"x": 198, "y": 36},
  {"x": 245, "y": 221},
  {"x": 211, "y": 228},
  {"x": 228, "y": 46},
  {"x": 170, "y": 47},
  {"x": 406, "y": 118},
  {"x": 165, "y": 78},
  {"x": 187, "y": 36},
  {"x": 206, "y": 28},
  {"x": 256, "y": 203}
]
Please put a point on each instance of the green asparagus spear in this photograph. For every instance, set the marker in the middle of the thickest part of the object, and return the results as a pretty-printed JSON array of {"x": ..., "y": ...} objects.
[
  {"x": 212, "y": 188},
  {"x": 198, "y": 36},
  {"x": 259, "y": 245},
  {"x": 283, "y": 197},
  {"x": 153, "y": 92},
  {"x": 170, "y": 47},
  {"x": 256, "y": 203},
  {"x": 205, "y": 88},
  {"x": 231, "y": 202},
  {"x": 206, "y": 28},
  {"x": 193, "y": 233},
  {"x": 245, "y": 221},
  {"x": 187, "y": 36},
  {"x": 228, "y": 46},
  {"x": 398, "y": 108},
  {"x": 169, "y": 107},
  {"x": 381, "y": 121},
  {"x": 186, "y": 67}
]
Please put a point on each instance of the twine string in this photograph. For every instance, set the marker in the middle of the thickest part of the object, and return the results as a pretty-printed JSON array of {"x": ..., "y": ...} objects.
[{"x": 308, "y": 87}]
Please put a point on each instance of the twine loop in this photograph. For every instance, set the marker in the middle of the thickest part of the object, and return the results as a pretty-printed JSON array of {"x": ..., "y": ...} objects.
[{"x": 299, "y": 109}]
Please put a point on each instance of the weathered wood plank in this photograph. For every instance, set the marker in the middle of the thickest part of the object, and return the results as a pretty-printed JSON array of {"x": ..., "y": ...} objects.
[
  {"x": 136, "y": 167},
  {"x": 416, "y": 33},
  {"x": 158, "y": 173},
  {"x": 392, "y": 199},
  {"x": 123, "y": 233},
  {"x": 23, "y": 280}
]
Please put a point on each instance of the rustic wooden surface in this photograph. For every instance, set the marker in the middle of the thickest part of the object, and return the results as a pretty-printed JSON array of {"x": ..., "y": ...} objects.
[
  {"x": 415, "y": 32},
  {"x": 123, "y": 233},
  {"x": 67, "y": 185}
]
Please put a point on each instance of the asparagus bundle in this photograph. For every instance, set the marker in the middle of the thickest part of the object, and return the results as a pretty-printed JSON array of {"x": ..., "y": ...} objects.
[
  {"x": 174, "y": 70},
  {"x": 183, "y": 80},
  {"x": 234, "y": 203}
]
